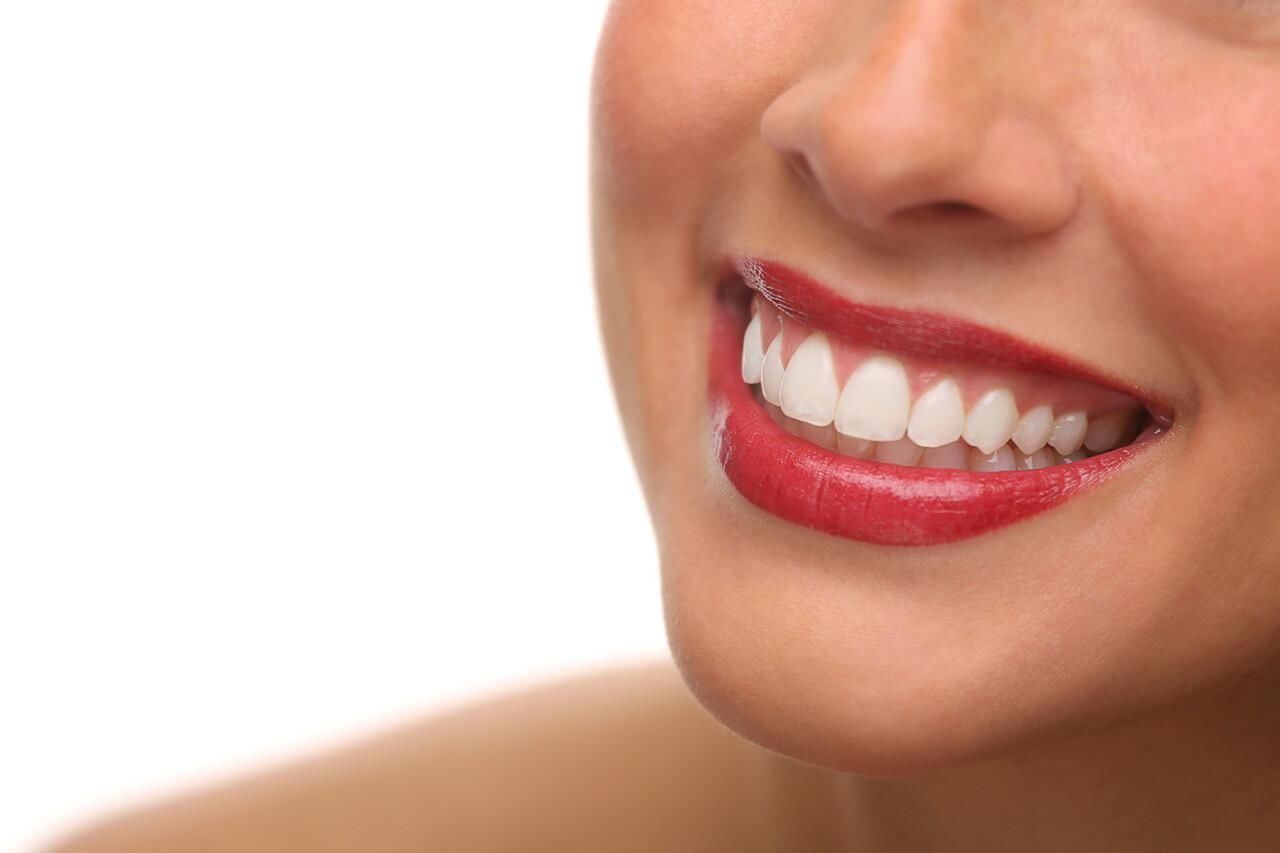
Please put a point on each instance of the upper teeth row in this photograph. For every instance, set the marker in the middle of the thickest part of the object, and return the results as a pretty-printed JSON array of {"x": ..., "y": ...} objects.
[{"x": 875, "y": 403}]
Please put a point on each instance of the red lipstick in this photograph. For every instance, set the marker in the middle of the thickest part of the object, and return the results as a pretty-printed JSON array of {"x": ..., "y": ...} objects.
[{"x": 872, "y": 501}]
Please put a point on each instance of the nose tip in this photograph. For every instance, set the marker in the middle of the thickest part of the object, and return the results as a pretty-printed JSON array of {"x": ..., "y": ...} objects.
[{"x": 913, "y": 138}]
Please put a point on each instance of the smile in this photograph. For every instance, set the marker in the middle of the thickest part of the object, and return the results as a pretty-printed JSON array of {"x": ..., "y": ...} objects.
[{"x": 901, "y": 428}]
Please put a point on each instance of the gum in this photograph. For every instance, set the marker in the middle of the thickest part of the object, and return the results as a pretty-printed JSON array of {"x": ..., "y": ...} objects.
[{"x": 1029, "y": 388}]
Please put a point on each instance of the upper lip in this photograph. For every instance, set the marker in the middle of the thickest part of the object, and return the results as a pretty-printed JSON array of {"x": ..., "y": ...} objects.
[{"x": 918, "y": 333}]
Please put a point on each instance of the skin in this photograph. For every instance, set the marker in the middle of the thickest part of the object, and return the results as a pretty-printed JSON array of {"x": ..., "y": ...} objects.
[{"x": 1096, "y": 176}]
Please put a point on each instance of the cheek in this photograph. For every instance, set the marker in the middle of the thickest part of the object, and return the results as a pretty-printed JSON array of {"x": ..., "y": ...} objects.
[
  {"x": 1196, "y": 208},
  {"x": 680, "y": 84},
  {"x": 679, "y": 87},
  {"x": 1221, "y": 222},
  {"x": 1202, "y": 219},
  {"x": 651, "y": 111}
]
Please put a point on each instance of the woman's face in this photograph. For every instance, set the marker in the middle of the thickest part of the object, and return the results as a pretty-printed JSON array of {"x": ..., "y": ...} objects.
[{"x": 1001, "y": 223}]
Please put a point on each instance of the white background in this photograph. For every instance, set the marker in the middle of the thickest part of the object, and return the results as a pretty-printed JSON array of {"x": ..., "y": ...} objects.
[{"x": 304, "y": 428}]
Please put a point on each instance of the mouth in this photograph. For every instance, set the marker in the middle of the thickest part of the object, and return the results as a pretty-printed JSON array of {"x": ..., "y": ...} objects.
[{"x": 897, "y": 427}]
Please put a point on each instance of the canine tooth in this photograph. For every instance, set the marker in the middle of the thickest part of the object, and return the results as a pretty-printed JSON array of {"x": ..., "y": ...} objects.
[
  {"x": 752, "y": 351},
  {"x": 991, "y": 421},
  {"x": 858, "y": 448},
  {"x": 1033, "y": 430},
  {"x": 1042, "y": 458},
  {"x": 1068, "y": 432},
  {"x": 771, "y": 372},
  {"x": 901, "y": 452},
  {"x": 1001, "y": 460},
  {"x": 809, "y": 385},
  {"x": 876, "y": 401},
  {"x": 937, "y": 418},
  {"x": 954, "y": 455},
  {"x": 1108, "y": 431}
]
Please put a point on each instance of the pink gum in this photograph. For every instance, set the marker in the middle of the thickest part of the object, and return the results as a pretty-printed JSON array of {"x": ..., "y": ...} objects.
[{"x": 1030, "y": 389}]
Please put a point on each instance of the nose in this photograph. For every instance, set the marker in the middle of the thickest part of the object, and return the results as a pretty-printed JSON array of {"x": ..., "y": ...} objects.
[{"x": 924, "y": 130}]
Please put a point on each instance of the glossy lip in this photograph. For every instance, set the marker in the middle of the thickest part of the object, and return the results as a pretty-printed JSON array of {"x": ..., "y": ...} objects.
[{"x": 869, "y": 501}]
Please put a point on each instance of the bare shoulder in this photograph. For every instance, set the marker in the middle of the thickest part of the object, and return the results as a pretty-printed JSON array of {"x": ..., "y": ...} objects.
[{"x": 624, "y": 760}]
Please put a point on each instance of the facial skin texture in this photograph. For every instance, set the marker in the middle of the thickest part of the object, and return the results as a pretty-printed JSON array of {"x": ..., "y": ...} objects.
[{"x": 1099, "y": 177}]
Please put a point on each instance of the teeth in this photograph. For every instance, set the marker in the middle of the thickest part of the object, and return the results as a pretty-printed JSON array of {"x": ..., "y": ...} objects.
[
  {"x": 991, "y": 421},
  {"x": 752, "y": 352},
  {"x": 1108, "y": 431},
  {"x": 954, "y": 455},
  {"x": 1042, "y": 458},
  {"x": 859, "y": 448},
  {"x": 1068, "y": 432},
  {"x": 771, "y": 372},
  {"x": 809, "y": 385},
  {"x": 900, "y": 452},
  {"x": 937, "y": 418},
  {"x": 873, "y": 416},
  {"x": 1034, "y": 429},
  {"x": 876, "y": 401},
  {"x": 775, "y": 415},
  {"x": 1001, "y": 460},
  {"x": 824, "y": 437}
]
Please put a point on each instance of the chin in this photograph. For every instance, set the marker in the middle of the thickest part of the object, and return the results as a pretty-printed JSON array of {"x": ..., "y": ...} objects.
[{"x": 824, "y": 658}]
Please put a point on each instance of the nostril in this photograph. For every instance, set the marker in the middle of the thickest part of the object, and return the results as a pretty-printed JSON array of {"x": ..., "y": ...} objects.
[
  {"x": 800, "y": 165},
  {"x": 941, "y": 211},
  {"x": 952, "y": 208}
]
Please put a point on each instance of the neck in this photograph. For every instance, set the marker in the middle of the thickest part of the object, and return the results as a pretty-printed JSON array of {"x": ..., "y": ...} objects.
[{"x": 1205, "y": 775}]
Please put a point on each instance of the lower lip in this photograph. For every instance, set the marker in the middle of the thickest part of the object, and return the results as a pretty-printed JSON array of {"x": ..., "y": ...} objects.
[{"x": 869, "y": 501}]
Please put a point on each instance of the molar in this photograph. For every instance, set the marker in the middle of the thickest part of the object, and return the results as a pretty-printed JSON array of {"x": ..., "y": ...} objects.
[
  {"x": 876, "y": 401},
  {"x": 809, "y": 385},
  {"x": 1109, "y": 431},
  {"x": 937, "y": 418},
  {"x": 991, "y": 421}
]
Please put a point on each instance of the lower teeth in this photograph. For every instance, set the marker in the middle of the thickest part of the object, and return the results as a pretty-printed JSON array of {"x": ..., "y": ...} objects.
[{"x": 957, "y": 456}]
